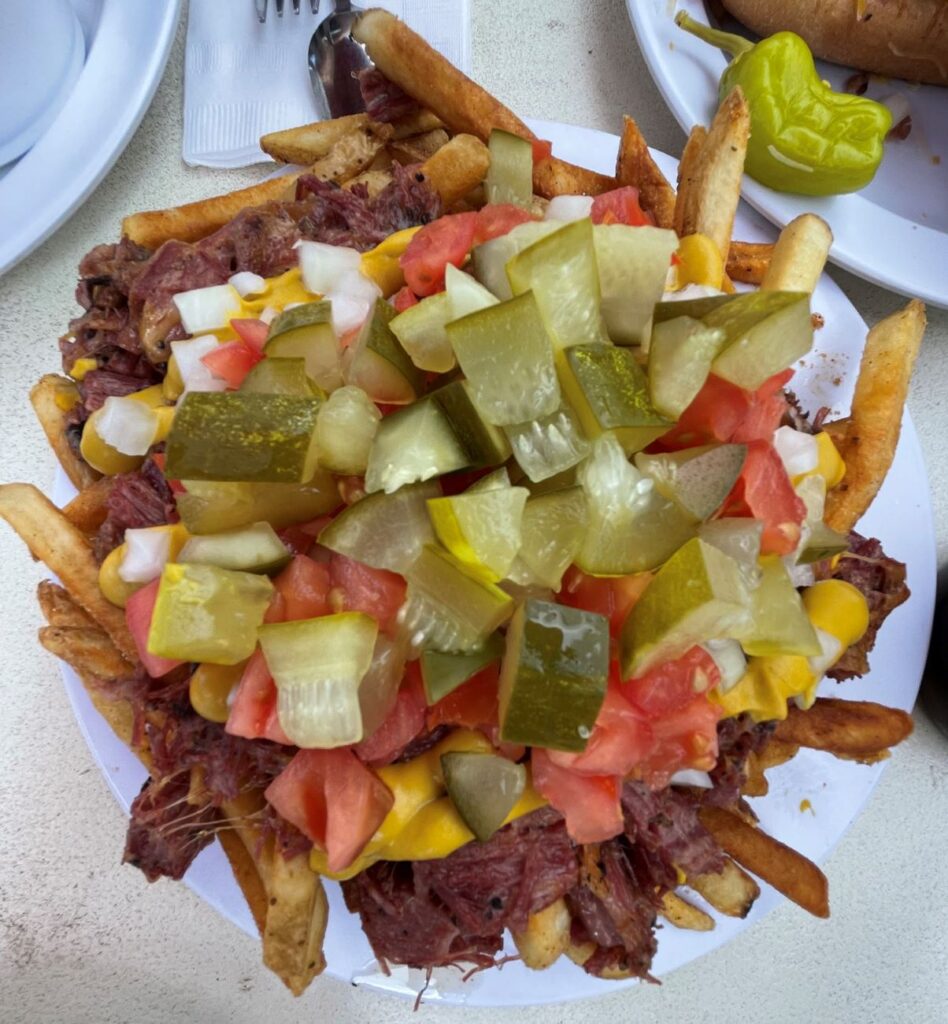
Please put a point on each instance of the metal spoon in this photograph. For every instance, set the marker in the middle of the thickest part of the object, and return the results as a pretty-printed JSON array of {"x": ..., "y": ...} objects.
[{"x": 335, "y": 60}]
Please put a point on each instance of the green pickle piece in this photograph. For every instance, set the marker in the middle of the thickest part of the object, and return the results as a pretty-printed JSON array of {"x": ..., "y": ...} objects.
[
  {"x": 484, "y": 788},
  {"x": 306, "y": 332},
  {"x": 448, "y": 608},
  {"x": 280, "y": 376},
  {"x": 481, "y": 529},
  {"x": 765, "y": 332},
  {"x": 207, "y": 614},
  {"x": 699, "y": 594},
  {"x": 696, "y": 479},
  {"x": 254, "y": 548},
  {"x": 386, "y": 531},
  {"x": 345, "y": 428},
  {"x": 411, "y": 445},
  {"x": 551, "y": 534},
  {"x": 548, "y": 446},
  {"x": 506, "y": 355},
  {"x": 778, "y": 621},
  {"x": 633, "y": 266},
  {"x": 442, "y": 673},
  {"x": 377, "y": 363},
  {"x": 490, "y": 259},
  {"x": 822, "y": 542},
  {"x": 482, "y": 442},
  {"x": 694, "y": 309},
  {"x": 553, "y": 676},
  {"x": 679, "y": 361},
  {"x": 421, "y": 332},
  {"x": 317, "y": 665},
  {"x": 610, "y": 391},
  {"x": 510, "y": 175},
  {"x": 240, "y": 436},
  {"x": 210, "y": 507},
  {"x": 562, "y": 272}
]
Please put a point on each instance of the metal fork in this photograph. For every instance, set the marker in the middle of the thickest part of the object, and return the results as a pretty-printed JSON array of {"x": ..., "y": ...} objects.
[{"x": 261, "y": 6}]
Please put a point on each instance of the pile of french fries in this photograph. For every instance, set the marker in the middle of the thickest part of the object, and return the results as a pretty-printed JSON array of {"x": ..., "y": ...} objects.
[{"x": 447, "y": 139}]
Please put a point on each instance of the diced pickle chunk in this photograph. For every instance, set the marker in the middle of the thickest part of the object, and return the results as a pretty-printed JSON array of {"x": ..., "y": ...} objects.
[
  {"x": 442, "y": 673},
  {"x": 209, "y": 507},
  {"x": 548, "y": 446},
  {"x": 483, "y": 787},
  {"x": 377, "y": 363}
]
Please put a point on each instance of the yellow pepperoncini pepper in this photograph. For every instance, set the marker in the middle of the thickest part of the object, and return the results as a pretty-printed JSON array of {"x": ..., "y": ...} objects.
[
  {"x": 833, "y": 606},
  {"x": 210, "y": 688},
  {"x": 109, "y": 460},
  {"x": 117, "y": 590},
  {"x": 699, "y": 262},
  {"x": 423, "y": 823}
]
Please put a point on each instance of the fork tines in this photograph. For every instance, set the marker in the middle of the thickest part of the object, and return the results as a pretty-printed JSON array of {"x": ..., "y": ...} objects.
[{"x": 261, "y": 6}]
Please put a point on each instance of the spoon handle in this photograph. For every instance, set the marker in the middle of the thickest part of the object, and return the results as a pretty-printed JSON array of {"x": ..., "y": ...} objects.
[{"x": 343, "y": 6}]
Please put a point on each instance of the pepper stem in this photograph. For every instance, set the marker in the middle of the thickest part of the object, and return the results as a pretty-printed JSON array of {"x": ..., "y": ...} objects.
[{"x": 730, "y": 42}]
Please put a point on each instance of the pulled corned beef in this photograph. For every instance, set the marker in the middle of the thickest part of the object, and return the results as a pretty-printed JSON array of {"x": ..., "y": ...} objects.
[
  {"x": 438, "y": 912},
  {"x": 796, "y": 417},
  {"x": 350, "y": 217},
  {"x": 137, "y": 499},
  {"x": 882, "y": 582},
  {"x": 738, "y": 737},
  {"x": 384, "y": 100}
]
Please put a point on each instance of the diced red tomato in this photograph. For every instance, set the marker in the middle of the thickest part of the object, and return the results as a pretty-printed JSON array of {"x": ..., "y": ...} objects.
[
  {"x": 304, "y": 586},
  {"x": 253, "y": 710},
  {"x": 589, "y": 803},
  {"x": 620, "y": 206},
  {"x": 138, "y": 612},
  {"x": 445, "y": 240},
  {"x": 612, "y": 596},
  {"x": 376, "y": 592},
  {"x": 673, "y": 684},
  {"x": 472, "y": 705},
  {"x": 685, "y": 738},
  {"x": 232, "y": 362},
  {"x": 252, "y": 332},
  {"x": 296, "y": 539},
  {"x": 764, "y": 491},
  {"x": 620, "y": 740},
  {"x": 333, "y": 799},
  {"x": 497, "y": 219},
  {"x": 542, "y": 149},
  {"x": 722, "y": 411},
  {"x": 401, "y": 726},
  {"x": 404, "y": 299}
]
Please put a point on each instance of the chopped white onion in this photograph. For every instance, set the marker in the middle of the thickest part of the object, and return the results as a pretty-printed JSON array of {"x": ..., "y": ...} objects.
[
  {"x": 568, "y": 208},
  {"x": 194, "y": 374},
  {"x": 322, "y": 266},
  {"x": 898, "y": 105},
  {"x": 268, "y": 314},
  {"x": 247, "y": 283},
  {"x": 146, "y": 552},
  {"x": 799, "y": 452},
  {"x": 730, "y": 660},
  {"x": 800, "y": 575},
  {"x": 691, "y": 291},
  {"x": 206, "y": 309},
  {"x": 691, "y": 777},
  {"x": 821, "y": 663},
  {"x": 127, "y": 425},
  {"x": 352, "y": 299}
]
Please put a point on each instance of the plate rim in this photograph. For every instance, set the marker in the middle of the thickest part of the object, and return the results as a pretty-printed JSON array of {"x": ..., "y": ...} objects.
[
  {"x": 132, "y": 30},
  {"x": 202, "y": 877},
  {"x": 917, "y": 244}
]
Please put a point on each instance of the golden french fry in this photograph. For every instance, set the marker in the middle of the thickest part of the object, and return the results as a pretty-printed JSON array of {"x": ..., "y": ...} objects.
[
  {"x": 59, "y": 609},
  {"x": 87, "y": 650},
  {"x": 554, "y": 177},
  {"x": 416, "y": 123},
  {"x": 756, "y": 784},
  {"x": 352, "y": 154},
  {"x": 799, "y": 255},
  {"x": 374, "y": 181},
  {"x": 875, "y": 420},
  {"x": 52, "y": 397},
  {"x": 580, "y": 952},
  {"x": 88, "y": 510},
  {"x": 786, "y": 870},
  {"x": 55, "y": 541},
  {"x": 457, "y": 168},
  {"x": 849, "y": 728},
  {"x": 776, "y": 752},
  {"x": 546, "y": 936},
  {"x": 711, "y": 179},
  {"x": 682, "y": 914},
  {"x": 731, "y": 892},
  {"x": 310, "y": 142},
  {"x": 415, "y": 149},
  {"x": 635, "y": 166},
  {"x": 687, "y": 174},
  {"x": 748, "y": 261}
]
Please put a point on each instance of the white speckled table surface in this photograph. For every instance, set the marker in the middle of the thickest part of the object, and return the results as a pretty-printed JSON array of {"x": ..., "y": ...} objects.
[{"x": 83, "y": 939}]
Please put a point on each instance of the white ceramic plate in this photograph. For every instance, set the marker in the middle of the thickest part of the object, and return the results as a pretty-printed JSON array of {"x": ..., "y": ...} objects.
[
  {"x": 901, "y": 517},
  {"x": 130, "y": 42},
  {"x": 895, "y": 231}
]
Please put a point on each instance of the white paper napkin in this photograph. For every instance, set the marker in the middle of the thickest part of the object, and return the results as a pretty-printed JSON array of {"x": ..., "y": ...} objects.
[{"x": 243, "y": 79}]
